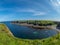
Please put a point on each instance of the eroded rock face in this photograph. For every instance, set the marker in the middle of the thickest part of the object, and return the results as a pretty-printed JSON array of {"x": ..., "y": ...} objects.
[{"x": 58, "y": 26}]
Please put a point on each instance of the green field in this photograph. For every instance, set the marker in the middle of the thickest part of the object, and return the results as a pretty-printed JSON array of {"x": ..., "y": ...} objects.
[{"x": 7, "y": 39}]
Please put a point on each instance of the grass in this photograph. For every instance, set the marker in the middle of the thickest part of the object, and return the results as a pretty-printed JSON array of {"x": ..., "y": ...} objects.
[{"x": 7, "y": 39}]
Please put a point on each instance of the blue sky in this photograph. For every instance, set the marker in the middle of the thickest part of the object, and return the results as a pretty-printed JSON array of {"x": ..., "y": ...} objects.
[{"x": 29, "y": 9}]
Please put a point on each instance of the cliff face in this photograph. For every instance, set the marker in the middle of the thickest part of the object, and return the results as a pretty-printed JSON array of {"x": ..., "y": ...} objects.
[{"x": 58, "y": 26}]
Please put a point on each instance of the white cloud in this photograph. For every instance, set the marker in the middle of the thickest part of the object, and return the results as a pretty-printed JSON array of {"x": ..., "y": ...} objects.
[
  {"x": 56, "y": 5},
  {"x": 56, "y": 2},
  {"x": 39, "y": 13},
  {"x": 25, "y": 10},
  {"x": 34, "y": 12}
]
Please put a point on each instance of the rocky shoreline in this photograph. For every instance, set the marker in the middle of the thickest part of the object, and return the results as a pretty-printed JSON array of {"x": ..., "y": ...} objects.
[{"x": 35, "y": 26}]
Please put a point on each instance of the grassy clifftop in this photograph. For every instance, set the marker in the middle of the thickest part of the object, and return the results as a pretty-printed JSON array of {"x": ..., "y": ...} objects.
[{"x": 7, "y": 39}]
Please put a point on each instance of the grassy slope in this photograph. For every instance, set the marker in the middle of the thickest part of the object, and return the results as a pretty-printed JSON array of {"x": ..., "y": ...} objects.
[{"x": 7, "y": 39}]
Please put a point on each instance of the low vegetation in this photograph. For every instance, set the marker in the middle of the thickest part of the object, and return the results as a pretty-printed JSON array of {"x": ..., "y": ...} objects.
[
  {"x": 37, "y": 22},
  {"x": 7, "y": 39}
]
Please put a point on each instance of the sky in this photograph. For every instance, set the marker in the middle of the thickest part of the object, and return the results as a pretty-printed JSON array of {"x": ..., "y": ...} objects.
[{"x": 29, "y": 10}]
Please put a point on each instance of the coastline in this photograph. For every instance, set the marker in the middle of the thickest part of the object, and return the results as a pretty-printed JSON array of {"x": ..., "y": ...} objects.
[
  {"x": 9, "y": 40},
  {"x": 35, "y": 26},
  {"x": 7, "y": 30}
]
